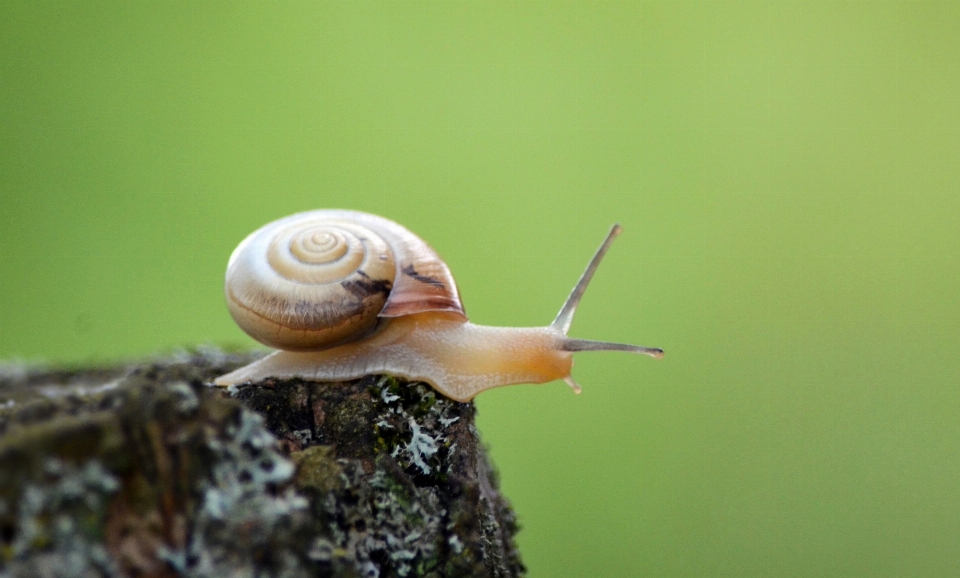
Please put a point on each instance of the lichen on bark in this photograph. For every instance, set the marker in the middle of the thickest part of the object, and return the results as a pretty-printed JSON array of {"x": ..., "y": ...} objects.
[{"x": 146, "y": 470}]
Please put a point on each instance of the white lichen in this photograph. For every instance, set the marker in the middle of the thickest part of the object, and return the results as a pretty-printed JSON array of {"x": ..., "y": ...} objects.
[
  {"x": 242, "y": 510},
  {"x": 421, "y": 447},
  {"x": 54, "y": 536}
]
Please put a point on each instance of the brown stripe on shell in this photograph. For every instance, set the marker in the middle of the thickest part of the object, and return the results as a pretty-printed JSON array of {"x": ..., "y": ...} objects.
[{"x": 411, "y": 294}]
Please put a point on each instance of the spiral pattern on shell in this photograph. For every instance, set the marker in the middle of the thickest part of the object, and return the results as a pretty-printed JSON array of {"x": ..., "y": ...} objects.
[
  {"x": 308, "y": 282},
  {"x": 317, "y": 279}
]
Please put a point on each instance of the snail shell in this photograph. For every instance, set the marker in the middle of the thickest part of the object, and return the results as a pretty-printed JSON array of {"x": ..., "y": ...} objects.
[{"x": 318, "y": 279}]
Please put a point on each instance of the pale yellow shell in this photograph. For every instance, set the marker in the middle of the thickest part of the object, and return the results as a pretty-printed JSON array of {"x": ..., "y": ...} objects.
[{"x": 318, "y": 279}]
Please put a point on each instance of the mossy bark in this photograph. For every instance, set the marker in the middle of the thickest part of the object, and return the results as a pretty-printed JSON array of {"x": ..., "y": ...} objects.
[{"x": 149, "y": 471}]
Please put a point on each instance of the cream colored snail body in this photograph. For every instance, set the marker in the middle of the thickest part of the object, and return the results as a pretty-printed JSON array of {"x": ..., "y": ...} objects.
[{"x": 345, "y": 294}]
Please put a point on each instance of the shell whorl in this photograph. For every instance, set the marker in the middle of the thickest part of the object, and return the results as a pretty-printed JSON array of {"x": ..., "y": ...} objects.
[{"x": 317, "y": 279}]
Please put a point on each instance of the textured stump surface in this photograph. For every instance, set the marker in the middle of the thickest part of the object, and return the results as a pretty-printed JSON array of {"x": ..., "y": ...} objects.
[{"x": 148, "y": 471}]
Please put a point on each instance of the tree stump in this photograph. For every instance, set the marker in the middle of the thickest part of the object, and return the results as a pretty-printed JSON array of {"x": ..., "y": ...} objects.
[{"x": 148, "y": 471}]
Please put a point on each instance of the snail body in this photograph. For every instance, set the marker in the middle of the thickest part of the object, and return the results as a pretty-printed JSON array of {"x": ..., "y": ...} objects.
[{"x": 345, "y": 294}]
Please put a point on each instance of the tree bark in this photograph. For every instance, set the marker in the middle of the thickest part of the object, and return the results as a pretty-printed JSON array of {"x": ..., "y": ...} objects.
[{"x": 148, "y": 471}]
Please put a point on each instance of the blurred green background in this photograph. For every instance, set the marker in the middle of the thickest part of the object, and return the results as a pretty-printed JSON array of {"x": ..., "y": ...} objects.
[{"x": 788, "y": 179}]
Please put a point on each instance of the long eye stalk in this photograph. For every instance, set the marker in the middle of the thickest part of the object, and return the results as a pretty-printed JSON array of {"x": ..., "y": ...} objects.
[
  {"x": 572, "y": 344},
  {"x": 565, "y": 317}
]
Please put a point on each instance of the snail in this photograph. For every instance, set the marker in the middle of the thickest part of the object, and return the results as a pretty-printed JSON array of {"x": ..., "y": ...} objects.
[{"x": 343, "y": 294}]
